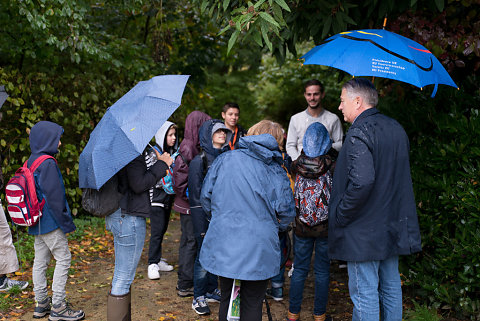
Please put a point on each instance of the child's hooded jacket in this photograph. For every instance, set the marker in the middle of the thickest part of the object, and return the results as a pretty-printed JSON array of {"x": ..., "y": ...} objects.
[{"x": 44, "y": 139}]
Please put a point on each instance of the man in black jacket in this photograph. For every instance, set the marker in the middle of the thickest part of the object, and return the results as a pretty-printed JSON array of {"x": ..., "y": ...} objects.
[{"x": 372, "y": 216}]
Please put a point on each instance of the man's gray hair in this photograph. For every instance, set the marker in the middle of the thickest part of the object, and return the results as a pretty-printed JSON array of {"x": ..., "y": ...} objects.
[{"x": 362, "y": 87}]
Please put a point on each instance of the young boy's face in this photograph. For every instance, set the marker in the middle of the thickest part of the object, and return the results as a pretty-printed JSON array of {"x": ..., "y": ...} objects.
[
  {"x": 171, "y": 137},
  {"x": 59, "y": 143},
  {"x": 218, "y": 138},
  {"x": 231, "y": 117}
]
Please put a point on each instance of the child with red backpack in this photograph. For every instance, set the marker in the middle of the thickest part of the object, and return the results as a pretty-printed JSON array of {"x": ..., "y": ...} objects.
[
  {"x": 313, "y": 184},
  {"x": 50, "y": 231}
]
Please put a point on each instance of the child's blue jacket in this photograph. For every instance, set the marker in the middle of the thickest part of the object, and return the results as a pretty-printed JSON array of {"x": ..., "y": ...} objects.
[{"x": 44, "y": 138}]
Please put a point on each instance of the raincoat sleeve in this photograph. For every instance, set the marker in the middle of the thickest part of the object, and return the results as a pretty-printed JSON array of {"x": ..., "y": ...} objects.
[
  {"x": 180, "y": 176},
  {"x": 361, "y": 177},
  {"x": 195, "y": 180},
  {"x": 52, "y": 188},
  {"x": 141, "y": 179},
  {"x": 285, "y": 203},
  {"x": 207, "y": 187}
]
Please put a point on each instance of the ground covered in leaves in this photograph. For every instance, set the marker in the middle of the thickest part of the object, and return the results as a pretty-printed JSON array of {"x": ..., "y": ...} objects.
[{"x": 92, "y": 271}]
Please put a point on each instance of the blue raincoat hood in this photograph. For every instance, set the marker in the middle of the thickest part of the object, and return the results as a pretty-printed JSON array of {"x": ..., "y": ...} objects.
[
  {"x": 263, "y": 147},
  {"x": 44, "y": 138}
]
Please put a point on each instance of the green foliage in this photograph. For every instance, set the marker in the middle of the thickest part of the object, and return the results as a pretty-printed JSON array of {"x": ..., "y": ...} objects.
[
  {"x": 280, "y": 24},
  {"x": 445, "y": 159},
  {"x": 279, "y": 90},
  {"x": 422, "y": 313}
]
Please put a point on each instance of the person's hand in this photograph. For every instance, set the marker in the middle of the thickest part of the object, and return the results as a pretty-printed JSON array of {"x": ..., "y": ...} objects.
[{"x": 165, "y": 157}]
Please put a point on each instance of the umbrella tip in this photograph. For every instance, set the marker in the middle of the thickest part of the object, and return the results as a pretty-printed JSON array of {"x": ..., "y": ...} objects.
[{"x": 384, "y": 22}]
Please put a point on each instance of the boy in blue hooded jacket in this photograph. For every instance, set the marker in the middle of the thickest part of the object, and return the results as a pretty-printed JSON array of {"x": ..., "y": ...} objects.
[
  {"x": 214, "y": 137},
  {"x": 50, "y": 232}
]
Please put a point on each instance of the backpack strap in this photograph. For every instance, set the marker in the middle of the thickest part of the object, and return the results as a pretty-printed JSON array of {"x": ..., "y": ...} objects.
[
  {"x": 183, "y": 158},
  {"x": 203, "y": 156},
  {"x": 38, "y": 161}
]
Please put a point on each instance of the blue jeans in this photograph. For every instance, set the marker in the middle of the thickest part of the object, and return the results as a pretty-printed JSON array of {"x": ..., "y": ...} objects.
[
  {"x": 304, "y": 247},
  {"x": 279, "y": 279},
  {"x": 203, "y": 281},
  {"x": 375, "y": 290},
  {"x": 128, "y": 238}
]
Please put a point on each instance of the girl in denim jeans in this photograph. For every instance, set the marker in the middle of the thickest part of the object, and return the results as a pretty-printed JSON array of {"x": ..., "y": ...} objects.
[{"x": 128, "y": 227}]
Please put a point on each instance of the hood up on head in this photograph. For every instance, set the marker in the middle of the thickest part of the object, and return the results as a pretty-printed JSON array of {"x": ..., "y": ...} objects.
[
  {"x": 263, "y": 147},
  {"x": 192, "y": 125},
  {"x": 161, "y": 135},
  {"x": 44, "y": 138},
  {"x": 206, "y": 132},
  {"x": 316, "y": 141}
]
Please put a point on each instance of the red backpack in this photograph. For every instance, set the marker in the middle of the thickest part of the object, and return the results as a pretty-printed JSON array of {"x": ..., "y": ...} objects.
[{"x": 21, "y": 194}]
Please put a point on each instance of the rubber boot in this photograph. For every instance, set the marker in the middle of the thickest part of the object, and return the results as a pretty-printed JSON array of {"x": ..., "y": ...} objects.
[{"x": 119, "y": 307}]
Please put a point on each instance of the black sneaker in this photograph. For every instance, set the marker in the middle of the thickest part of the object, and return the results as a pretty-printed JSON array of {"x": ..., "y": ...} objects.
[
  {"x": 64, "y": 312},
  {"x": 200, "y": 305},
  {"x": 275, "y": 293},
  {"x": 42, "y": 308},
  {"x": 185, "y": 292}
]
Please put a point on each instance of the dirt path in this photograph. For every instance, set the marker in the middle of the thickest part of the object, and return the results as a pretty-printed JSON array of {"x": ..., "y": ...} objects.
[{"x": 157, "y": 300}]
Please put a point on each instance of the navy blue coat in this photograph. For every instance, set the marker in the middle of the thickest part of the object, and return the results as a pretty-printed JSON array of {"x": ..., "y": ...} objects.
[
  {"x": 196, "y": 174},
  {"x": 372, "y": 209},
  {"x": 44, "y": 138}
]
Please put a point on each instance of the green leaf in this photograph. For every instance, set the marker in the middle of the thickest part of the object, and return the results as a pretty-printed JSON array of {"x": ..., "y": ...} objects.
[
  {"x": 326, "y": 26},
  {"x": 277, "y": 12},
  {"x": 268, "y": 18},
  {"x": 264, "y": 28},
  {"x": 203, "y": 6},
  {"x": 225, "y": 4},
  {"x": 257, "y": 37},
  {"x": 232, "y": 40},
  {"x": 258, "y": 4},
  {"x": 223, "y": 30},
  {"x": 283, "y": 4},
  {"x": 440, "y": 4}
]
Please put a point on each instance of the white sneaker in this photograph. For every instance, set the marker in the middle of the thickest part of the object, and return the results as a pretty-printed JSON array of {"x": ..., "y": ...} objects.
[
  {"x": 153, "y": 272},
  {"x": 164, "y": 266}
]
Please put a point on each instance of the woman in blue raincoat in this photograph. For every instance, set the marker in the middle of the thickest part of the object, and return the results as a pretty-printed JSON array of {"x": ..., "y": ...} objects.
[{"x": 248, "y": 206}]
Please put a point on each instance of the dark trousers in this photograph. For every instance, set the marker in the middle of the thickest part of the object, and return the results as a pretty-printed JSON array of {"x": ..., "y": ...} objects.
[
  {"x": 159, "y": 218},
  {"x": 252, "y": 294},
  {"x": 203, "y": 281},
  {"x": 186, "y": 253}
]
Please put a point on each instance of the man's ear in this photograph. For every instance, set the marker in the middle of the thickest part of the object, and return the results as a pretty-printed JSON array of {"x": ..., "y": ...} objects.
[
  {"x": 358, "y": 101},
  {"x": 323, "y": 94}
]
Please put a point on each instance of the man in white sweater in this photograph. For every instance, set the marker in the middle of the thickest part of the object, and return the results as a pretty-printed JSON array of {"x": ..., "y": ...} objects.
[{"x": 314, "y": 93}]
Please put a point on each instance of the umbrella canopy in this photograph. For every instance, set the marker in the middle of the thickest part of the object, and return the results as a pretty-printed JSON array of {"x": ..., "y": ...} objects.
[
  {"x": 380, "y": 53},
  {"x": 3, "y": 95},
  {"x": 127, "y": 127}
]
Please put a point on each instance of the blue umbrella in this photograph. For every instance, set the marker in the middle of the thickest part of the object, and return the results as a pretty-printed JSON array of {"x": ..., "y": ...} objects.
[
  {"x": 380, "y": 53},
  {"x": 3, "y": 95},
  {"x": 127, "y": 127}
]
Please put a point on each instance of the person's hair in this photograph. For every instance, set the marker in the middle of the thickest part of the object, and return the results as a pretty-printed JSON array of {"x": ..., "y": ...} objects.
[
  {"x": 313, "y": 82},
  {"x": 268, "y": 127},
  {"x": 227, "y": 106},
  {"x": 361, "y": 87}
]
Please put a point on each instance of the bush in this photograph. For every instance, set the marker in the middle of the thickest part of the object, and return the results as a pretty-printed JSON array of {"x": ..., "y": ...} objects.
[{"x": 445, "y": 157}]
